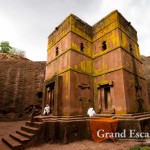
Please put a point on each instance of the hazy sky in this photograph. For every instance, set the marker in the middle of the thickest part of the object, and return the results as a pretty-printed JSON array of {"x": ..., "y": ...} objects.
[{"x": 26, "y": 24}]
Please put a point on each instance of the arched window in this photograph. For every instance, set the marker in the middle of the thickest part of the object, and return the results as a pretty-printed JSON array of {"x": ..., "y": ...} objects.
[
  {"x": 104, "y": 46},
  {"x": 56, "y": 51},
  {"x": 131, "y": 49},
  {"x": 81, "y": 47}
]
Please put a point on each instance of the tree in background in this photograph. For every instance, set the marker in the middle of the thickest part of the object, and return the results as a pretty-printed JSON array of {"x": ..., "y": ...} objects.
[{"x": 6, "y": 48}]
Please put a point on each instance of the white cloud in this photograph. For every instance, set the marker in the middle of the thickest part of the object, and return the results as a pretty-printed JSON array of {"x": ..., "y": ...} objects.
[{"x": 26, "y": 24}]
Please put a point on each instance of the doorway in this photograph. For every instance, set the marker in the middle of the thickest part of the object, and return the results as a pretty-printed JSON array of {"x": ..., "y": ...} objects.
[
  {"x": 50, "y": 90},
  {"x": 107, "y": 97}
]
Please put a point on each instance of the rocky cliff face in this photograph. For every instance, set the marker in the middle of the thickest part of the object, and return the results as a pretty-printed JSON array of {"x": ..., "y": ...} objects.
[
  {"x": 11, "y": 57},
  {"x": 20, "y": 80},
  {"x": 146, "y": 70}
]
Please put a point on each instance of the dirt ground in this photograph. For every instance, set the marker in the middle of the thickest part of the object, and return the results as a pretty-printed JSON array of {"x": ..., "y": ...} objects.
[
  {"x": 88, "y": 145},
  {"x": 9, "y": 127}
]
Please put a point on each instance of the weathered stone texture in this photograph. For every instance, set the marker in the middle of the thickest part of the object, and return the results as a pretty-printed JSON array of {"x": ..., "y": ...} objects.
[
  {"x": 19, "y": 83},
  {"x": 146, "y": 70},
  {"x": 99, "y": 65}
]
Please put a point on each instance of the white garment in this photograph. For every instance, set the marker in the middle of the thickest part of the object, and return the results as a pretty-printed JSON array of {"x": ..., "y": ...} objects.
[
  {"x": 91, "y": 112},
  {"x": 46, "y": 110}
]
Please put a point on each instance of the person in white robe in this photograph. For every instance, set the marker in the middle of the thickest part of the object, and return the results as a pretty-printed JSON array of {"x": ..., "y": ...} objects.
[
  {"x": 46, "y": 110},
  {"x": 91, "y": 112}
]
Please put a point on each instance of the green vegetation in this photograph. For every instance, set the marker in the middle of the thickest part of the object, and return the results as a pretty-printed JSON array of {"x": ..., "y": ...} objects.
[
  {"x": 140, "y": 148},
  {"x": 6, "y": 48}
]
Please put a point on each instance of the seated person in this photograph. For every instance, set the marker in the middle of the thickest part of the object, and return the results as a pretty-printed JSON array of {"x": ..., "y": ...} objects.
[
  {"x": 91, "y": 112},
  {"x": 46, "y": 110}
]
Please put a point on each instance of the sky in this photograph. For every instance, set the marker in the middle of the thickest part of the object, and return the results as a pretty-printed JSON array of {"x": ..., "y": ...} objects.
[{"x": 26, "y": 24}]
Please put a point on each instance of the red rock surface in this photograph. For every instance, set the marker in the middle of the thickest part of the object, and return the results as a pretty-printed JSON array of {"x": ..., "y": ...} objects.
[
  {"x": 11, "y": 57},
  {"x": 146, "y": 70},
  {"x": 20, "y": 80}
]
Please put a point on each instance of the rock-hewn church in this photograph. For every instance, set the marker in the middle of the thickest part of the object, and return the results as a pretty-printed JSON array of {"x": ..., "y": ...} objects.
[{"x": 95, "y": 66}]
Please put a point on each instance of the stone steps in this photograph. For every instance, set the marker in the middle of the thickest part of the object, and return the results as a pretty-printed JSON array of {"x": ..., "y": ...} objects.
[
  {"x": 63, "y": 119},
  {"x": 138, "y": 114},
  {"x": 40, "y": 118},
  {"x": 15, "y": 145},
  {"x": 25, "y": 134},
  {"x": 4, "y": 146},
  {"x": 20, "y": 139},
  {"x": 124, "y": 117},
  {"x": 34, "y": 124},
  {"x": 144, "y": 118},
  {"x": 135, "y": 118},
  {"x": 29, "y": 129}
]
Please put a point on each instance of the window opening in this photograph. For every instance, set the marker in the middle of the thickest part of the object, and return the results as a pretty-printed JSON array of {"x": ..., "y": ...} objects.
[
  {"x": 56, "y": 51},
  {"x": 81, "y": 47},
  {"x": 104, "y": 46}
]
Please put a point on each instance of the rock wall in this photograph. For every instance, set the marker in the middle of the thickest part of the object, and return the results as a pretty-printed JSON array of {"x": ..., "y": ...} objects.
[
  {"x": 146, "y": 70},
  {"x": 19, "y": 82}
]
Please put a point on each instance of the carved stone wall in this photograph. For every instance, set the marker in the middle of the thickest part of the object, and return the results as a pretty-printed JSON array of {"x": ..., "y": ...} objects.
[
  {"x": 146, "y": 70},
  {"x": 19, "y": 83}
]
